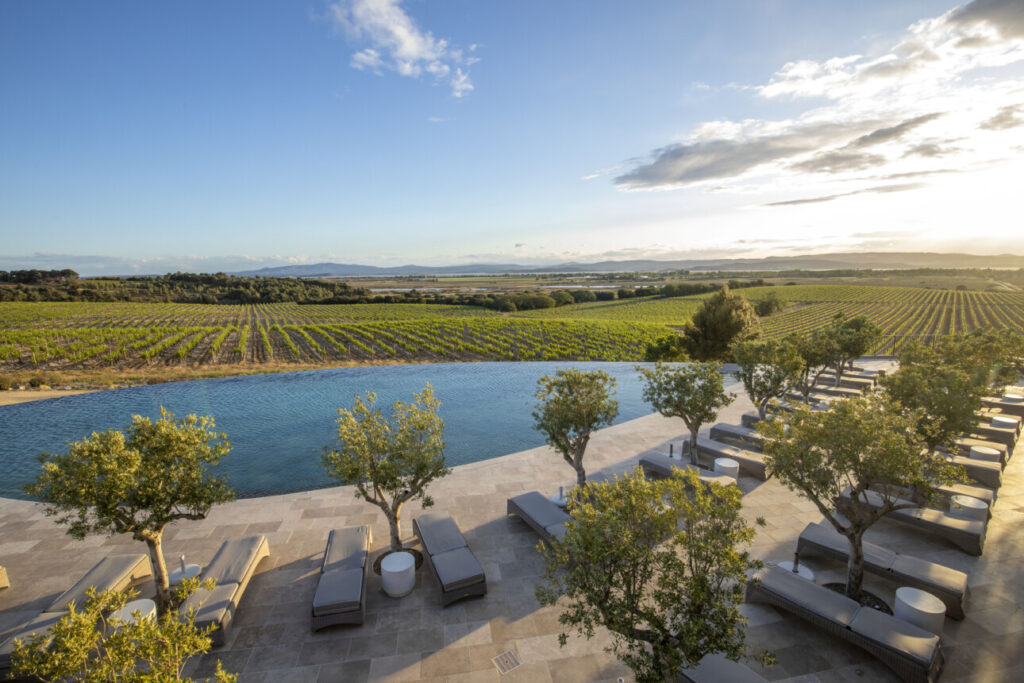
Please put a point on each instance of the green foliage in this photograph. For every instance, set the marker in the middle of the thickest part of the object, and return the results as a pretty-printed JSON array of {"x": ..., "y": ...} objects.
[
  {"x": 725, "y": 318},
  {"x": 816, "y": 351},
  {"x": 767, "y": 369},
  {"x": 671, "y": 348},
  {"x": 86, "y": 647},
  {"x": 852, "y": 338},
  {"x": 570, "y": 406},
  {"x": 692, "y": 392},
  {"x": 770, "y": 304},
  {"x": 866, "y": 444},
  {"x": 390, "y": 461},
  {"x": 939, "y": 392},
  {"x": 136, "y": 481},
  {"x": 656, "y": 563}
]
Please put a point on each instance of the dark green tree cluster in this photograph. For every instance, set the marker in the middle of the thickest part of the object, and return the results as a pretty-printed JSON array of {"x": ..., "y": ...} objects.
[{"x": 722, "y": 320}]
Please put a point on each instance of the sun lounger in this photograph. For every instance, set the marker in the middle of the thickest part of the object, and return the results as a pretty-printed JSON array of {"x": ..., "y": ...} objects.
[
  {"x": 456, "y": 568},
  {"x": 742, "y": 437},
  {"x": 546, "y": 518},
  {"x": 987, "y": 415},
  {"x": 232, "y": 568},
  {"x": 1006, "y": 436},
  {"x": 659, "y": 466},
  {"x": 114, "y": 573},
  {"x": 1009, "y": 407},
  {"x": 966, "y": 534},
  {"x": 715, "y": 668},
  {"x": 340, "y": 596},
  {"x": 989, "y": 474},
  {"x": 751, "y": 462},
  {"x": 913, "y": 653},
  {"x": 945, "y": 583},
  {"x": 848, "y": 381},
  {"x": 827, "y": 389},
  {"x": 965, "y": 443}
]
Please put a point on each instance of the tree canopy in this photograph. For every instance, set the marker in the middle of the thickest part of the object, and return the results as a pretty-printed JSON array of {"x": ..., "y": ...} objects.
[
  {"x": 570, "y": 406},
  {"x": 852, "y": 338},
  {"x": 865, "y": 445},
  {"x": 657, "y": 564},
  {"x": 389, "y": 460},
  {"x": 692, "y": 392},
  {"x": 136, "y": 481},
  {"x": 725, "y": 317},
  {"x": 767, "y": 370},
  {"x": 85, "y": 646}
]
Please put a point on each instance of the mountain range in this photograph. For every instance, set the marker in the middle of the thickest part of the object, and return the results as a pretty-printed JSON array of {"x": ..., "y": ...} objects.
[{"x": 853, "y": 260}]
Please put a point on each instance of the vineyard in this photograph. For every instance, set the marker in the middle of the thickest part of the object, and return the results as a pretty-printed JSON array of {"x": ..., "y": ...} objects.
[{"x": 58, "y": 336}]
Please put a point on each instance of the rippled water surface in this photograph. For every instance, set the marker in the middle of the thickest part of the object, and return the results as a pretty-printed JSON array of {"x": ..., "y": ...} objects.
[{"x": 279, "y": 423}]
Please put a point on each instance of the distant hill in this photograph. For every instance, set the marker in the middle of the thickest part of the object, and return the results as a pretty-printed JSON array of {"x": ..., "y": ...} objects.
[{"x": 878, "y": 261}]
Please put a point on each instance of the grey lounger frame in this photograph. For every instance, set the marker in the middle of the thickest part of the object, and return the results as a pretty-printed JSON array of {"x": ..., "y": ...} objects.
[
  {"x": 1008, "y": 407},
  {"x": 715, "y": 668},
  {"x": 739, "y": 436},
  {"x": 1006, "y": 436},
  {"x": 232, "y": 568},
  {"x": 751, "y": 462},
  {"x": 343, "y": 569},
  {"x": 914, "y": 654},
  {"x": 945, "y": 583},
  {"x": 457, "y": 570},
  {"x": 966, "y": 534},
  {"x": 113, "y": 573},
  {"x": 543, "y": 516},
  {"x": 659, "y": 466}
]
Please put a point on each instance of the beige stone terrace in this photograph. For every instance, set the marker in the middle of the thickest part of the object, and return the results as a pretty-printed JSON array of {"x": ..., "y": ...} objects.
[{"x": 415, "y": 638}]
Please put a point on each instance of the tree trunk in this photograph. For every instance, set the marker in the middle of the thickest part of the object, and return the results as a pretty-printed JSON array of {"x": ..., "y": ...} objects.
[
  {"x": 839, "y": 373},
  {"x": 394, "y": 520},
  {"x": 855, "y": 567},
  {"x": 154, "y": 542},
  {"x": 581, "y": 475},
  {"x": 693, "y": 448},
  {"x": 762, "y": 411}
]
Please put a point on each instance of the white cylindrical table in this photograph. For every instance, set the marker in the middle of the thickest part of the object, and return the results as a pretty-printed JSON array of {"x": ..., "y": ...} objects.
[
  {"x": 178, "y": 575},
  {"x": 1005, "y": 422},
  {"x": 920, "y": 609},
  {"x": 802, "y": 571},
  {"x": 145, "y": 607},
  {"x": 727, "y": 466},
  {"x": 1013, "y": 398},
  {"x": 398, "y": 574},
  {"x": 984, "y": 453},
  {"x": 968, "y": 507}
]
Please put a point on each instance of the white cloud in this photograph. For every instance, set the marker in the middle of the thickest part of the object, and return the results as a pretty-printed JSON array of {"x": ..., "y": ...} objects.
[
  {"x": 885, "y": 115},
  {"x": 394, "y": 42}
]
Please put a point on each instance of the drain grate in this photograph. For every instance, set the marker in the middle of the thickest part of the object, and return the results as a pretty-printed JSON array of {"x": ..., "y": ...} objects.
[{"x": 506, "y": 661}]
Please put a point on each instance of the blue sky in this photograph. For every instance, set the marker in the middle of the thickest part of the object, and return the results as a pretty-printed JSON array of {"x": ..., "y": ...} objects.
[{"x": 145, "y": 137}]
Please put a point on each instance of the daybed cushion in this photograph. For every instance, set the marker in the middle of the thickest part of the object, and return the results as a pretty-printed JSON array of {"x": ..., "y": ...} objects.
[
  {"x": 540, "y": 509},
  {"x": 457, "y": 568},
  {"x": 440, "y": 533},
  {"x": 937, "y": 574},
  {"x": 810, "y": 596},
  {"x": 346, "y": 549},
  {"x": 115, "y": 572},
  {"x": 211, "y": 606},
  {"x": 896, "y": 634},
  {"x": 339, "y": 590},
  {"x": 233, "y": 559}
]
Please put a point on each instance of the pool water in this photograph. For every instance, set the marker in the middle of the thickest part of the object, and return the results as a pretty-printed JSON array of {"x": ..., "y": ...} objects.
[{"x": 278, "y": 424}]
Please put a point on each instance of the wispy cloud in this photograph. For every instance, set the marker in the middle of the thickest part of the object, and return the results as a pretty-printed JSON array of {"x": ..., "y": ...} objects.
[
  {"x": 881, "y": 189},
  {"x": 390, "y": 40},
  {"x": 885, "y": 115}
]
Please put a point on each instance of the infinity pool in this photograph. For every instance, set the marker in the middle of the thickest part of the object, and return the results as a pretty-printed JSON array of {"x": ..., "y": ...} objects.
[{"x": 278, "y": 424}]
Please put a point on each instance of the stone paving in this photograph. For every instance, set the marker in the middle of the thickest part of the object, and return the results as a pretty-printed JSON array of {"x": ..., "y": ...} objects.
[{"x": 414, "y": 638}]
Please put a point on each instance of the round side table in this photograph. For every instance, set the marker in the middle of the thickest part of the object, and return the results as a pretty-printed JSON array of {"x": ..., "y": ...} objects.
[
  {"x": 920, "y": 609},
  {"x": 968, "y": 507},
  {"x": 398, "y": 574},
  {"x": 727, "y": 466},
  {"x": 177, "y": 576},
  {"x": 984, "y": 453},
  {"x": 145, "y": 607},
  {"x": 1005, "y": 422},
  {"x": 1013, "y": 398}
]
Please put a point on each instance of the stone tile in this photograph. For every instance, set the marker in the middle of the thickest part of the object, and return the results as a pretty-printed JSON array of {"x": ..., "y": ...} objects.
[
  {"x": 405, "y": 667},
  {"x": 451, "y": 660}
]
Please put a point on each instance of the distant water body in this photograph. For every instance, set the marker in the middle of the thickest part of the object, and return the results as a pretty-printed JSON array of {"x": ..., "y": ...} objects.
[{"x": 279, "y": 423}]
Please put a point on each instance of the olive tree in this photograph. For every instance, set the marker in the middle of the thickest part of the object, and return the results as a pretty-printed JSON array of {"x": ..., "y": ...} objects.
[
  {"x": 570, "y": 406},
  {"x": 767, "y": 369},
  {"x": 692, "y": 392},
  {"x": 817, "y": 350},
  {"x": 389, "y": 460},
  {"x": 136, "y": 481},
  {"x": 862, "y": 444},
  {"x": 853, "y": 337},
  {"x": 657, "y": 564},
  {"x": 939, "y": 394},
  {"x": 87, "y": 646}
]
